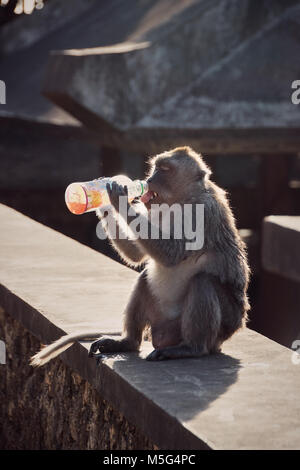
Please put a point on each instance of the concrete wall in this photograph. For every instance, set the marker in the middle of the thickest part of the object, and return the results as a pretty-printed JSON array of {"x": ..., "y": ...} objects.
[{"x": 53, "y": 407}]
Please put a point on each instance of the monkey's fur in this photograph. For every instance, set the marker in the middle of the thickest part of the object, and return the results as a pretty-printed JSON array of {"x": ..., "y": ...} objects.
[{"x": 192, "y": 300}]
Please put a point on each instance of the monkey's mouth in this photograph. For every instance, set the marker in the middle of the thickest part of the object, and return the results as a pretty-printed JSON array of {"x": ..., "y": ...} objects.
[{"x": 149, "y": 197}]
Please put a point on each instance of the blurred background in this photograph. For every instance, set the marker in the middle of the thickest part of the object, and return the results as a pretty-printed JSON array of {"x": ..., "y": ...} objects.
[{"x": 95, "y": 87}]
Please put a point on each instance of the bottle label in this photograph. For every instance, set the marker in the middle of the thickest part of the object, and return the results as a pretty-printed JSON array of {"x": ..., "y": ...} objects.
[{"x": 90, "y": 195}]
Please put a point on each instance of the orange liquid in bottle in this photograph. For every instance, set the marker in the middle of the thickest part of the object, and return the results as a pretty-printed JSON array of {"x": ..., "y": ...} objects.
[
  {"x": 79, "y": 199},
  {"x": 89, "y": 195}
]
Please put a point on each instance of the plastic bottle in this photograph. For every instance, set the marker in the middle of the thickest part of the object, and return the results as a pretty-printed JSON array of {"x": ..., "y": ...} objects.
[{"x": 90, "y": 195}]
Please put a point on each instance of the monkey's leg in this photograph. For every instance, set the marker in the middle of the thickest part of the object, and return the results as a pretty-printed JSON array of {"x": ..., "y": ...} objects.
[
  {"x": 173, "y": 352},
  {"x": 135, "y": 322},
  {"x": 200, "y": 326}
]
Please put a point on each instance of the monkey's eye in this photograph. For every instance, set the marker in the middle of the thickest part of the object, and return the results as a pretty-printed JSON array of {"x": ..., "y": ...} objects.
[{"x": 164, "y": 168}]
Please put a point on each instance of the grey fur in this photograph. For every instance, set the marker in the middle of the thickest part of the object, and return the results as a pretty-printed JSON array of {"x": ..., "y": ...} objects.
[
  {"x": 191, "y": 300},
  {"x": 213, "y": 303}
]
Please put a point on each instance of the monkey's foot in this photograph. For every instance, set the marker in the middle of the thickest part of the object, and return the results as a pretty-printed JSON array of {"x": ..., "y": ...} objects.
[
  {"x": 110, "y": 345},
  {"x": 173, "y": 352},
  {"x": 104, "y": 345}
]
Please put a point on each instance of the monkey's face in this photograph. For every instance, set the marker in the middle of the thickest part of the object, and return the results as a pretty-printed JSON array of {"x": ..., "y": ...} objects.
[
  {"x": 160, "y": 183},
  {"x": 173, "y": 177}
]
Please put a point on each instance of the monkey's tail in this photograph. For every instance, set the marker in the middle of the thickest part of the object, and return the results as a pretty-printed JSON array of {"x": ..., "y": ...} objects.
[{"x": 60, "y": 345}]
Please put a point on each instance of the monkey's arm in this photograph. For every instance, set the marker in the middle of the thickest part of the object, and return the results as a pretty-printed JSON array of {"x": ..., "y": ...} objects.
[
  {"x": 128, "y": 249},
  {"x": 168, "y": 251}
]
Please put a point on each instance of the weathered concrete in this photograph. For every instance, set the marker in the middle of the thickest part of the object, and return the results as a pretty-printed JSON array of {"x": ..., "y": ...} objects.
[
  {"x": 245, "y": 398},
  {"x": 38, "y": 160},
  {"x": 49, "y": 261},
  {"x": 279, "y": 295},
  {"x": 29, "y": 29},
  {"x": 65, "y": 25},
  {"x": 281, "y": 246},
  {"x": 36, "y": 154},
  {"x": 277, "y": 315},
  {"x": 213, "y": 66}
]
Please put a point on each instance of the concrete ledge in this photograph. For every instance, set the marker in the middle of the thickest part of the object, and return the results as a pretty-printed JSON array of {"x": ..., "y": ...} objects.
[
  {"x": 281, "y": 246},
  {"x": 244, "y": 398}
]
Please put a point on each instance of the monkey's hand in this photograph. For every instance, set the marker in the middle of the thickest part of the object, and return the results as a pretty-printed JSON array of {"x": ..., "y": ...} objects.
[
  {"x": 116, "y": 192},
  {"x": 111, "y": 345}
]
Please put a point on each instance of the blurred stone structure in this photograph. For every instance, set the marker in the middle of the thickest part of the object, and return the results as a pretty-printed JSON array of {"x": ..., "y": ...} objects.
[{"x": 119, "y": 84}]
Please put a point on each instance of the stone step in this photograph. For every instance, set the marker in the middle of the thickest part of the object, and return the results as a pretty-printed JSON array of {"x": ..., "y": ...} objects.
[
  {"x": 277, "y": 315},
  {"x": 281, "y": 246}
]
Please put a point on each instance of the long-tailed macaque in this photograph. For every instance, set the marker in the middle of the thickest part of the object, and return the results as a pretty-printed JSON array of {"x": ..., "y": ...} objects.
[{"x": 191, "y": 299}]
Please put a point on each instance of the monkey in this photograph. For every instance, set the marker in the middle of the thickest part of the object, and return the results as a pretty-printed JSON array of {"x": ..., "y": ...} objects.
[{"x": 192, "y": 300}]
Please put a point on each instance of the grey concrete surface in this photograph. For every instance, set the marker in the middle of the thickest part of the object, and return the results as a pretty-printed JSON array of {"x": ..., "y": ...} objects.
[
  {"x": 26, "y": 43},
  {"x": 281, "y": 246},
  {"x": 35, "y": 154},
  {"x": 29, "y": 29},
  {"x": 244, "y": 398},
  {"x": 216, "y": 65},
  {"x": 212, "y": 74},
  {"x": 46, "y": 270}
]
